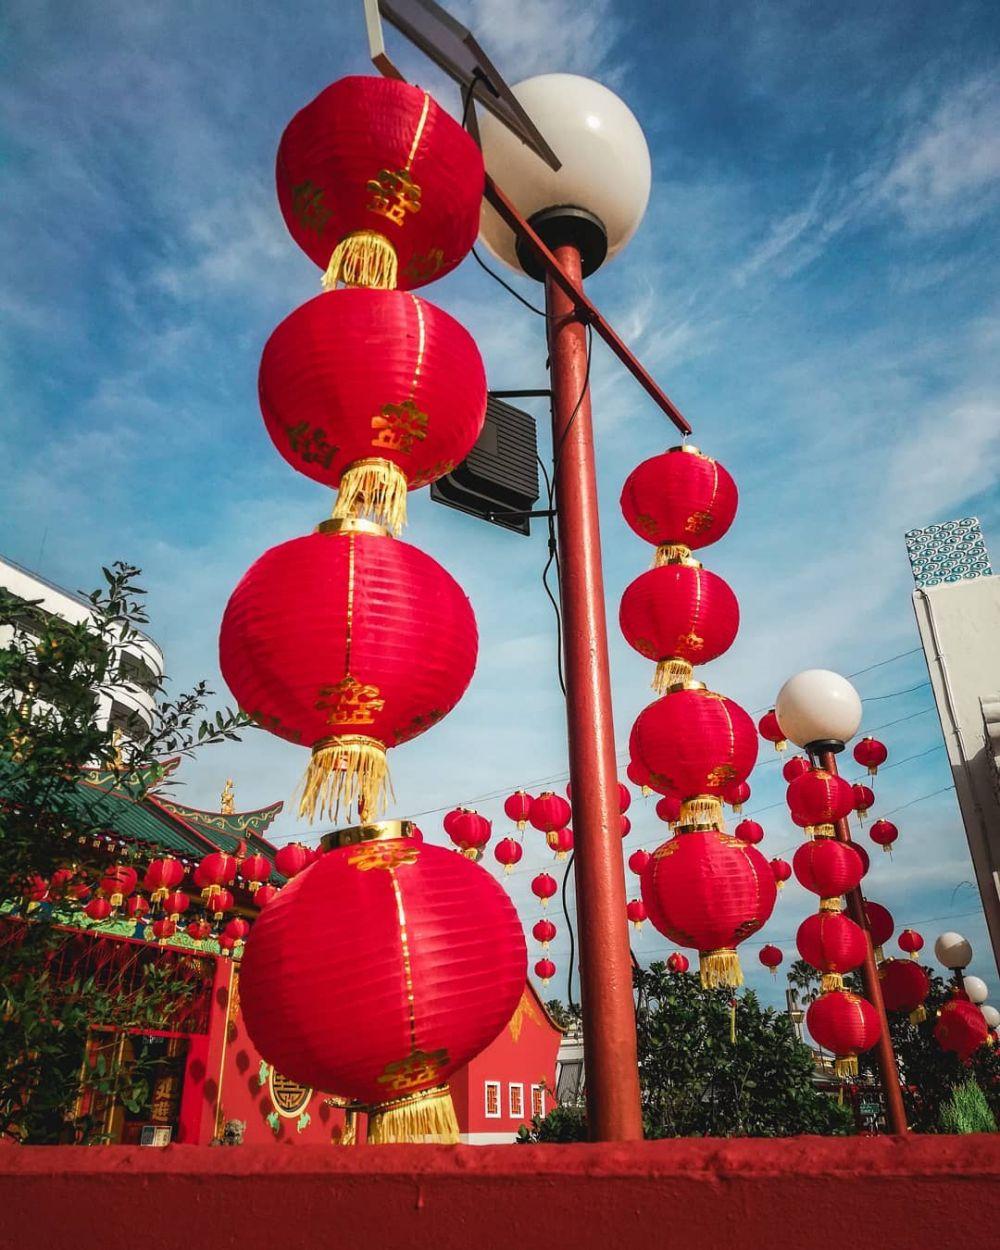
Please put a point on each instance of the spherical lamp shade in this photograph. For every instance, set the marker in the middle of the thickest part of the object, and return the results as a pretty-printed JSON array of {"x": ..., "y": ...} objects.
[
  {"x": 844, "y": 1024},
  {"x": 864, "y": 797},
  {"x": 679, "y": 501},
  {"x": 374, "y": 392},
  {"x": 98, "y": 909},
  {"x": 990, "y": 1015},
  {"x": 677, "y": 962},
  {"x": 254, "y": 870},
  {"x": 827, "y": 867},
  {"x": 961, "y": 1028},
  {"x": 818, "y": 706},
  {"x": 771, "y": 957},
  {"x": 678, "y": 615},
  {"x": 905, "y": 986},
  {"x": 736, "y": 794},
  {"x": 605, "y": 168},
  {"x": 348, "y": 642},
  {"x": 976, "y": 989},
  {"x": 517, "y": 807},
  {"x": 709, "y": 891},
  {"x": 833, "y": 944},
  {"x": 378, "y": 185},
  {"x": 953, "y": 950},
  {"x": 423, "y": 944},
  {"x": 175, "y": 903}
]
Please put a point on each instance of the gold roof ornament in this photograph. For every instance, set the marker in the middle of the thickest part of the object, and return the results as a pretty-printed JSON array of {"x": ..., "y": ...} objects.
[{"x": 227, "y": 801}]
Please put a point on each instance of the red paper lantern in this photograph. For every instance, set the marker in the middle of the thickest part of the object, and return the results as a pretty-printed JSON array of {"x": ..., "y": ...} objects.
[
  {"x": 508, "y": 852},
  {"x": 709, "y": 891},
  {"x": 237, "y": 929},
  {"x": 678, "y": 615},
  {"x": 827, "y": 867},
  {"x": 635, "y": 909},
  {"x": 626, "y": 826},
  {"x": 880, "y": 924},
  {"x": 695, "y": 743},
  {"x": 560, "y": 841},
  {"x": 862, "y": 854},
  {"x": 638, "y": 776},
  {"x": 819, "y": 798},
  {"x": 199, "y": 930},
  {"x": 470, "y": 832},
  {"x": 219, "y": 902},
  {"x": 98, "y": 909},
  {"x": 549, "y": 811},
  {"x": 749, "y": 831},
  {"x": 679, "y": 499},
  {"x": 864, "y": 797},
  {"x": 770, "y": 730},
  {"x": 624, "y": 797},
  {"x": 374, "y": 392},
  {"x": 736, "y": 795},
  {"x": 543, "y": 887},
  {"x": 255, "y": 870},
  {"x": 517, "y": 807},
  {"x": 136, "y": 907},
  {"x": 292, "y": 858},
  {"x": 215, "y": 871},
  {"x": 677, "y": 962},
  {"x": 174, "y": 903},
  {"x": 226, "y": 944},
  {"x": 162, "y": 876},
  {"x": 423, "y": 944},
  {"x": 795, "y": 767},
  {"x": 163, "y": 929},
  {"x": 118, "y": 883},
  {"x": 781, "y": 871},
  {"x": 348, "y": 642},
  {"x": 844, "y": 1024},
  {"x": 543, "y": 931},
  {"x": 546, "y": 970},
  {"x": 265, "y": 894},
  {"x": 883, "y": 833},
  {"x": 910, "y": 942},
  {"x": 771, "y": 957},
  {"x": 961, "y": 1028},
  {"x": 378, "y": 185},
  {"x": 668, "y": 808},
  {"x": 833, "y": 944},
  {"x": 905, "y": 986},
  {"x": 870, "y": 753},
  {"x": 638, "y": 860}
]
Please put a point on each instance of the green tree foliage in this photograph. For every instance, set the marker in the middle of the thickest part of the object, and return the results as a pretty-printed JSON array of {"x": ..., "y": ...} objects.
[{"x": 967, "y": 1111}]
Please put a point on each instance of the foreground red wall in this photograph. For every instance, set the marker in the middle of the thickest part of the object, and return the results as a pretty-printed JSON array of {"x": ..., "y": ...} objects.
[{"x": 863, "y": 1193}]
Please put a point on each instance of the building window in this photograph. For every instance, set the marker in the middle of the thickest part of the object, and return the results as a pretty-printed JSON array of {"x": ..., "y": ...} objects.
[
  {"x": 515, "y": 1095},
  {"x": 569, "y": 1085},
  {"x": 493, "y": 1100},
  {"x": 538, "y": 1100}
]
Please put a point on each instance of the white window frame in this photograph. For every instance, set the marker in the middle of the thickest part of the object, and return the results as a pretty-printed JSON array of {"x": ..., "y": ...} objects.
[
  {"x": 492, "y": 1115},
  {"x": 517, "y": 1115},
  {"x": 541, "y": 1100}
]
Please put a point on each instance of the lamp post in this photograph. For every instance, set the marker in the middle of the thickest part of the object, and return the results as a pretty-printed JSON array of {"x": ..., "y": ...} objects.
[
  {"x": 584, "y": 212},
  {"x": 821, "y": 711}
]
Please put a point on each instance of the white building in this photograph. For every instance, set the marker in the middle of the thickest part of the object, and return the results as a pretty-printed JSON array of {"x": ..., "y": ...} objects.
[
  {"x": 957, "y": 604},
  {"x": 129, "y": 702}
]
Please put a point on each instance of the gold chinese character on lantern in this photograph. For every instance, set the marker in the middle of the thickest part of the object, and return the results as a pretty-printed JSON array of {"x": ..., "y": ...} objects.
[
  {"x": 349, "y": 702},
  {"x": 308, "y": 206},
  {"x": 417, "y": 1069},
  {"x": 393, "y": 195},
  {"x": 371, "y": 856},
  {"x": 398, "y": 426}
]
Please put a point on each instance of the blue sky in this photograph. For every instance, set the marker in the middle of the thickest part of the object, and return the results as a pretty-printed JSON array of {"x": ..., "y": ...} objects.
[{"x": 815, "y": 283}]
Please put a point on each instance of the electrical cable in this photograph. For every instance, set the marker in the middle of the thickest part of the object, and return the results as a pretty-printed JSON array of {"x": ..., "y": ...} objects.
[{"x": 569, "y": 929}]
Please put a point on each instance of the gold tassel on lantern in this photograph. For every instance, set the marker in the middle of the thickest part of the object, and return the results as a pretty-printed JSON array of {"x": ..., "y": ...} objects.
[
  {"x": 703, "y": 809},
  {"x": 847, "y": 1065},
  {"x": 831, "y": 981},
  {"x": 427, "y": 1117},
  {"x": 671, "y": 553},
  {"x": 671, "y": 672},
  {"x": 830, "y": 904},
  {"x": 364, "y": 258},
  {"x": 374, "y": 488},
  {"x": 346, "y": 771},
  {"x": 823, "y": 831},
  {"x": 721, "y": 967},
  {"x": 918, "y": 1015}
]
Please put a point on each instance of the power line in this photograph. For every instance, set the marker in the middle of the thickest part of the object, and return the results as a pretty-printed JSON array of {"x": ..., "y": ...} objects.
[{"x": 874, "y": 698}]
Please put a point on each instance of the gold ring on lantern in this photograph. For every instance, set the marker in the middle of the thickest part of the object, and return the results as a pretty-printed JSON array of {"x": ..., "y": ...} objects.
[
  {"x": 351, "y": 525},
  {"x": 686, "y": 685},
  {"x": 375, "y": 486},
  {"x": 377, "y": 831},
  {"x": 690, "y": 449}
]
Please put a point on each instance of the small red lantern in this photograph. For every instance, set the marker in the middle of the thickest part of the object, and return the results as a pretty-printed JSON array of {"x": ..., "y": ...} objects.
[
  {"x": 292, "y": 858},
  {"x": 543, "y": 887},
  {"x": 163, "y": 929},
  {"x": 378, "y": 185},
  {"x": 910, "y": 942},
  {"x": 470, "y": 832},
  {"x": 265, "y": 894},
  {"x": 237, "y": 929},
  {"x": 961, "y": 1028},
  {"x": 880, "y": 924},
  {"x": 679, "y": 499},
  {"x": 626, "y": 826},
  {"x": 864, "y": 797},
  {"x": 736, "y": 795},
  {"x": 226, "y": 944},
  {"x": 844, "y": 1024},
  {"x": 668, "y": 808},
  {"x": 221, "y": 901},
  {"x": 560, "y": 841},
  {"x": 508, "y": 851},
  {"x": 770, "y": 730},
  {"x": 175, "y": 903},
  {"x": 862, "y": 854},
  {"x": 255, "y": 870},
  {"x": 678, "y": 615},
  {"x": 678, "y": 962},
  {"x": 325, "y": 643},
  {"x": 638, "y": 860},
  {"x": 624, "y": 797},
  {"x": 162, "y": 876},
  {"x": 781, "y": 870},
  {"x": 98, "y": 909},
  {"x": 818, "y": 797},
  {"x": 905, "y": 986},
  {"x": 795, "y": 767},
  {"x": 709, "y": 891},
  {"x": 517, "y": 807},
  {"x": 199, "y": 930},
  {"x": 883, "y": 833},
  {"x": 750, "y": 832},
  {"x": 771, "y": 957},
  {"x": 118, "y": 883},
  {"x": 636, "y": 911},
  {"x": 546, "y": 970},
  {"x": 870, "y": 753},
  {"x": 136, "y": 907},
  {"x": 550, "y": 811},
  {"x": 827, "y": 867},
  {"x": 374, "y": 393},
  {"x": 216, "y": 870},
  {"x": 833, "y": 944},
  {"x": 543, "y": 931},
  {"x": 639, "y": 777}
]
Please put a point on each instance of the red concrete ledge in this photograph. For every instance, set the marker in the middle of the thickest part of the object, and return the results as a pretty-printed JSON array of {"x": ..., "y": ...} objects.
[{"x": 914, "y": 1193}]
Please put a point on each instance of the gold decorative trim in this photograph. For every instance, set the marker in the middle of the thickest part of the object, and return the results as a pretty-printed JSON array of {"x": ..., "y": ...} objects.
[
  {"x": 290, "y": 1099},
  {"x": 378, "y": 831},
  {"x": 351, "y": 525}
]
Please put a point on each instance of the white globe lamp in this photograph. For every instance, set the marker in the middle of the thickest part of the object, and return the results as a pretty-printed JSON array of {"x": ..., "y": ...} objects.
[
  {"x": 953, "y": 951},
  {"x": 976, "y": 989},
  {"x": 990, "y": 1015},
  {"x": 818, "y": 709},
  {"x": 598, "y": 196}
]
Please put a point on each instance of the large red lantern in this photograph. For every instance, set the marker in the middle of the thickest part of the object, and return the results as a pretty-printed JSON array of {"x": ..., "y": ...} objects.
[
  {"x": 378, "y": 185},
  {"x": 679, "y": 499},
  {"x": 709, "y": 891},
  {"x": 678, "y": 615},
  {"x": 220, "y": 902},
  {"x": 450, "y": 958},
  {"x": 162, "y": 876},
  {"x": 374, "y": 392},
  {"x": 517, "y": 807},
  {"x": 905, "y": 986},
  {"x": 833, "y": 944},
  {"x": 883, "y": 833},
  {"x": 961, "y": 1028},
  {"x": 118, "y": 883},
  {"x": 549, "y": 811},
  {"x": 818, "y": 797},
  {"x": 771, "y": 957},
  {"x": 470, "y": 832},
  {"x": 508, "y": 851},
  {"x": 695, "y": 743},
  {"x": 348, "y": 642},
  {"x": 770, "y": 730},
  {"x": 292, "y": 858},
  {"x": 870, "y": 753},
  {"x": 827, "y": 867},
  {"x": 845, "y": 1024}
]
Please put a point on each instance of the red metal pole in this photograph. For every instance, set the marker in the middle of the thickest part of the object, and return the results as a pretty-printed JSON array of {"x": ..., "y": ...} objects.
[
  {"x": 613, "y": 1107},
  {"x": 884, "y": 1053}
]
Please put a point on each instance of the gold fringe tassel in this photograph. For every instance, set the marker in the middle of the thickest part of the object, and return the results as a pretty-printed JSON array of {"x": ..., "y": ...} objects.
[
  {"x": 427, "y": 1117},
  {"x": 830, "y": 904},
  {"x": 846, "y": 1066},
  {"x": 831, "y": 981},
  {"x": 373, "y": 488},
  {"x": 918, "y": 1015},
  {"x": 671, "y": 672},
  {"x": 364, "y": 258},
  {"x": 671, "y": 553},
  {"x": 646, "y": 791},
  {"x": 703, "y": 809},
  {"x": 345, "y": 772},
  {"x": 823, "y": 831},
  {"x": 721, "y": 967}
]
